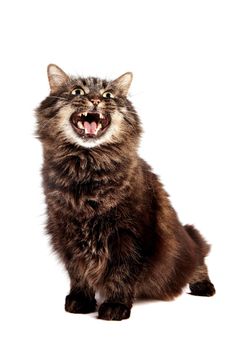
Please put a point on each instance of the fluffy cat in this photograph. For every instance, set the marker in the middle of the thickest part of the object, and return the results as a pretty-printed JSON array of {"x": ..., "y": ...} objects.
[{"x": 109, "y": 218}]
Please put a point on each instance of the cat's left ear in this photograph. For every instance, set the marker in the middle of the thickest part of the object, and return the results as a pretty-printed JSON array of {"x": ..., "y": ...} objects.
[
  {"x": 123, "y": 83},
  {"x": 56, "y": 77}
]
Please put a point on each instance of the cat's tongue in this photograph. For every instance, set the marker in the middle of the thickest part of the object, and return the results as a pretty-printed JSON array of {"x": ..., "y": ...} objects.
[{"x": 90, "y": 128}]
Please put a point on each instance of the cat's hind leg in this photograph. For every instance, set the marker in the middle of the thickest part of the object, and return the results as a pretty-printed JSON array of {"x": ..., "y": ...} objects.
[{"x": 200, "y": 283}]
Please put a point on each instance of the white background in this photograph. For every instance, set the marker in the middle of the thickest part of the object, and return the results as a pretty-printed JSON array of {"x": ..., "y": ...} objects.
[{"x": 182, "y": 58}]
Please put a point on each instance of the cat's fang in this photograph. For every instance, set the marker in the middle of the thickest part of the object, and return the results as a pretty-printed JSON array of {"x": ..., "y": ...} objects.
[
  {"x": 98, "y": 128},
  {"x": 80, "y": 125},
  {"x": 83, "y": 114}
]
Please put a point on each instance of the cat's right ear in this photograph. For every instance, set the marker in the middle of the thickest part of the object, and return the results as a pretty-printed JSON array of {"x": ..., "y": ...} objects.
[{"x": 56, "y": 77}]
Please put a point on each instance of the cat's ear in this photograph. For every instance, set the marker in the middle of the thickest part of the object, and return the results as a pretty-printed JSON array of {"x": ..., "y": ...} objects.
[
  {"x": 56, "y": 77},
  {"x": 123, "y": 83}
]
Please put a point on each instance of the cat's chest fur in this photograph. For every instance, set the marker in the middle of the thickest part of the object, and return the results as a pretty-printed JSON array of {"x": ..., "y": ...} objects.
[
  {"x": 84, "y": 187},
  {"x": 87, "y": 251},
  {"x": 84, "y": 196}
]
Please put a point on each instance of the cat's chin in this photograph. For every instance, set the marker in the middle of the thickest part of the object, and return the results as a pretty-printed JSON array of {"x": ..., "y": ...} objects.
[{"x": 90, "y": 125}]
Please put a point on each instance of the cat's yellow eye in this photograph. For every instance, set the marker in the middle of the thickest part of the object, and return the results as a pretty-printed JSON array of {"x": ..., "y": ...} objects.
[
  {"x": 78, "y": 92},
  {"x": 108, "y": 94}
]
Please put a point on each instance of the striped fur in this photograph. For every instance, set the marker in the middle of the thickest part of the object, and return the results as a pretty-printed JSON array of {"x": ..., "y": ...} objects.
[{"x": 109, "y": 218}]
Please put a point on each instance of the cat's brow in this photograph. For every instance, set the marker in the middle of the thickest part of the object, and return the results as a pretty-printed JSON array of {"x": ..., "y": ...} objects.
[
  {"x": 95, "y": 81},
  {"x": 104, "y": 84},
  {"x": 83, "y": 81}
]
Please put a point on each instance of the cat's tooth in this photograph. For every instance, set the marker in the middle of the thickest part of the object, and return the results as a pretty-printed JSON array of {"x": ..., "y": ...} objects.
[
  {"x": 98, "y": 128},
  {"x": 85, "y": 114},
  {"x": 80, "y": 125},
  {"x": 101, "y": 116}
]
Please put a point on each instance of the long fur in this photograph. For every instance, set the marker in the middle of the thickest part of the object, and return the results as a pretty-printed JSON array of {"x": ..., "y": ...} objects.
[{"x": 109, "y": 218}]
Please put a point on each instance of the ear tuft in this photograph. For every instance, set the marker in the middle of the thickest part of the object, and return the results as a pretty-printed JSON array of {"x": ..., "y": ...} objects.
[
  {"x": 123, "y": 83},
  {"x": 56, "y": 77}
]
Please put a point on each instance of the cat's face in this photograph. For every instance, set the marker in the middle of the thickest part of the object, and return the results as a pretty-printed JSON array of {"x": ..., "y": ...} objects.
[{"x": 87, "y": 112}]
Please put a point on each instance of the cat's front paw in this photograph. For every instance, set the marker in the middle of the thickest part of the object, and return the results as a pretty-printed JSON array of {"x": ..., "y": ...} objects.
[
  {"x": 114, "y": 311},
  {"x": 77, "y": 305}
]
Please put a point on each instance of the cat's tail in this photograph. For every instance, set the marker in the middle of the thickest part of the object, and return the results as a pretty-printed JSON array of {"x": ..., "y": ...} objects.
[{"x": 203, "y": 246}]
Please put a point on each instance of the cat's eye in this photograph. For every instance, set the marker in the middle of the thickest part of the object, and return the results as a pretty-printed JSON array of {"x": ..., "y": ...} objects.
[
  {"x": 108, "y": 94},
  {"x": 78, "y": 92}
]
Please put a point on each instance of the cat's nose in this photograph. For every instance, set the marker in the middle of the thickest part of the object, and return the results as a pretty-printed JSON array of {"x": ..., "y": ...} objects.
[{"x": 95, "y": 101}]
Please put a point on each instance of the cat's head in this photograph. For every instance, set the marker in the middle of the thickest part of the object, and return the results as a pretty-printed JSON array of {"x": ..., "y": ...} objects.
[{"x": 87, "y": 112}]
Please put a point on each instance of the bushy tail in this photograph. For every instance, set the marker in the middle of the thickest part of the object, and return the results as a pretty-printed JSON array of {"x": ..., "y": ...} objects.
[{"x": 198, "y": 239}]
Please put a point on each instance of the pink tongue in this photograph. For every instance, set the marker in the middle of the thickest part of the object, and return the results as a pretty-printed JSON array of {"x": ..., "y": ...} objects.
[{"x": 90, "y": 128}]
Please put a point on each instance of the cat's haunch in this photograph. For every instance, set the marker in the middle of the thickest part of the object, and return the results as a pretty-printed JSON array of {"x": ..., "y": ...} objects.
[{"x": 109, "y": 218}]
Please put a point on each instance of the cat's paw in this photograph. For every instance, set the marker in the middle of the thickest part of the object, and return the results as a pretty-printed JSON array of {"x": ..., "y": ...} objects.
[
  {"x": 77, "y": 305},
  {"x": 114, "y": 311},
  {"x": 203, "y": 288}
]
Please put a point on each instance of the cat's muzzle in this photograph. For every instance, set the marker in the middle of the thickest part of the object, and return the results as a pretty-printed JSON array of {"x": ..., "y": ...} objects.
[{"x": 89, "y": 124}]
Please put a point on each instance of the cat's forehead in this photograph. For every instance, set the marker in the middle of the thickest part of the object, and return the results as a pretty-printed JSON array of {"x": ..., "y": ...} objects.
[{"x": 91, "y": 83}]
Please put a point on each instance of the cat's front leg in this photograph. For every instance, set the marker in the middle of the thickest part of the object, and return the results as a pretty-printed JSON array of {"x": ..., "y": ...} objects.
[
  {"x": 81, "y": 299},
  {"x": 80, "y": 302},
  {"x": 119, "y": 295},
  {"x": 114, "y": 311},
  {"x": 119, "y": 283}
]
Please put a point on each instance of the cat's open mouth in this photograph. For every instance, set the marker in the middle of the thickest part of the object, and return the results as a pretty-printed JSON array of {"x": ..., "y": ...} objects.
[{"x": 89, "y": 124}]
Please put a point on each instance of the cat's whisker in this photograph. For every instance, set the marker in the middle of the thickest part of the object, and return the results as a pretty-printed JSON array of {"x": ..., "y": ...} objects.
[
  {"x": 137, "y": 93},
  {"x": 45, "y": 124},
  {"x": 58, "y": 97}
]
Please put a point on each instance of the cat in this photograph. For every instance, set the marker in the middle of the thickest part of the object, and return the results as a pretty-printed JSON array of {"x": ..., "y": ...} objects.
[{"x": 109, "y": 218}]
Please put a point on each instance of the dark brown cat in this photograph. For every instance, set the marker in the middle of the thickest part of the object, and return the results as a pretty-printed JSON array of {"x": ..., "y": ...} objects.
[{"x": 109, "y": 218}]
